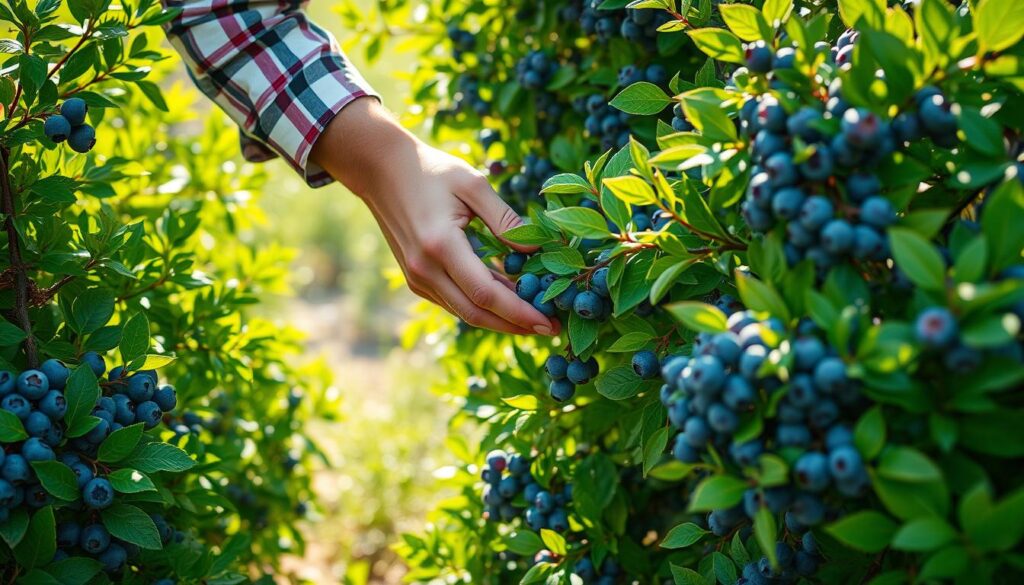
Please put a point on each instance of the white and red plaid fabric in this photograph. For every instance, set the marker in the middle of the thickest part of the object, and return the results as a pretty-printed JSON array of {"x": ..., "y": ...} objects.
[{"x": 277, "y": 74}]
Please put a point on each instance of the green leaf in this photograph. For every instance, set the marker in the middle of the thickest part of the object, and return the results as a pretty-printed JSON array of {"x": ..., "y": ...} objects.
[
  {"x": 618, "y": 383},
  {"x": 580, "y": 221},
  {"x": 686, "y": 576},
  {"x": 522, "y": 402},
  {"x": 641, "y": 99},
  {"x": 524, "y": 542},
  {"x": 869, "y": 434},
  {"x": 699, "y": 316},
  {"x": 120, "y": 443},
  {"x": 630, "y": 342},
  {"x": 746, "y": 21},
  {"x": 991, "y": 331},
  {"x": 971, "y": 260},
  {"x": 566, "y": 183},
  {"x": 134, "y": 338},
  {"x": 766, "y": 531},
  {"x": 82, "y": 392},
  {"x": 718, "y": 44},
  {"x": 998, "y": 23},
  {"x": 130, "y": 481},
  {"x": 131, "y": 524},
  {"x": 582, "y": 332},
  {"x": 717, "y": 493},
  {"x": 75, "y": 570},
  {"x": 907, "y": 464},
  {"x": 57, "y": 479},
  {"x": 153, "y": 457},
  {"x": 723, "y": 567},
  {"x": 40, "y": 541},
  {"x": 554, "y": 541},
  {"x": 654, "y": 447},
  {"x": 683, "y": 535},
  {"x": 10, "y": 334},
  {"x": 632, "y": 190},
  {"x": 918, "y": 259},
  {"x": 760, "y": 296},
  {"x": 91, "y": 310},
  {"x": 14, "y": 528},
  {"x": 923, "y": 534},
  {"x": 528, "y": 235},
  {"x": 867, "y": 531},
  {"x": 11, "y": 429},
  {"x": 563, "y": 261},
  {"x": 872, "y": 11},
  {"x": 777, "y": 11}
]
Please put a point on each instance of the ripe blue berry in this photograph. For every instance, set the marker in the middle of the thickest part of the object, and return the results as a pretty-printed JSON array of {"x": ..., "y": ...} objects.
[
  {"x": 722, "y": 419},
  {"x": 937, "y": 117},
  {"x": 579, "y": 372},
  {"x": 514, "y": 262},
  {"x": 124, "y": 409},
  {"x": 528, "y": 286},
  {"x": 645, "y": 364},
  {"x": 793, "y": 435},
  {"x": 758, "y": 56},
  {"x": 546, "y": 308},
  {"x": 830, "y": 375},
  {"x": 141, "y": 387},
  {"x": 37, "y": 423},
  {"x": 556, "y": 367},
  {"x": 804, "y": 124},
  {"x": 878, "y": 212},
  {"x": 599, "y": 281},
  {"x": 868, "y": 244},
  {"x": 95, "y": 539},
  {"x": 683, "y": 451},
  {"x": 706, "y": 375},
  {"x": 862, "y": 128},
  {"x": 811, "y": 471},
  {"x": 696, "y": 431},
  {"x": 818, "y": 165},
  {"x": 808, "y": 509},
  {"x": 167, "y": 398},
  {"x": 588, "y": 305},
  {"x": 562, "y": 390},
  {"x": 56, "y": 373},
  {"x": 17, "y": 405},
  {"x": 497, "y": 460},
  {"x": 33, "y": 384},
  {"x": 74, "y": 110},
  {"x": 787, "y": 202},
  {"x": 936, "y": 327},
  {"x": 860, "y": 186},
  {"x": 34, "y": 449},
  {"x": 837, "y": 236},
  {"x": 544, "y": 502},
  {"x": 816, "y": 211},
  {"x": 780, "y": 169},
  {"x": 82, "y": 138},
  {"x": 57, "y": 128},
  {"x": 558, "y": 521},
  {"x": 845, "y": 463},
  {"x": 114, "y": 558},
  {"x": 565, "y": 299},
  {"x": 807, "y": 352},
  {"x": 771, "y": 116}
]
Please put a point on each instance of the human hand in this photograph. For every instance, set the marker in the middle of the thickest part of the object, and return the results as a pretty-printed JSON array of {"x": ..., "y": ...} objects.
[{"x": 423, "y": 199}]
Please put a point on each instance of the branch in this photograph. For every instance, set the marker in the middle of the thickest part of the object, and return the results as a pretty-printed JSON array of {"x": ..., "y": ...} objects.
[{"x": 21, "y": 281}]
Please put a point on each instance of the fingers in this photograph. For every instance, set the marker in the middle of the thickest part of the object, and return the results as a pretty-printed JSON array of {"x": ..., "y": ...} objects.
[
  {"x": 471, "y": 313},
  {"x": 477, "y": 194},
  {"x": 478, "y": 283}
]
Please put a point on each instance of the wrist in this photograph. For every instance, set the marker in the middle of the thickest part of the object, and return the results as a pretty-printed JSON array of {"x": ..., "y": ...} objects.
[{"x": 363, "y": 145}]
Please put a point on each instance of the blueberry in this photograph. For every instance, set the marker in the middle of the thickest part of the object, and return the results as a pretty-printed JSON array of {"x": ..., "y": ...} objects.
[
  {"x": 588, "y": 305},
  {"x": 962, "y": 359},
  {"x": 528, "y": 286},
  {"x": 907, "y": 127},
  {"x": 56, "y": 373},
  {"x": 793, "y": 435},
  {"x": 818, "y": 165},
  {"x": 860, "y": 186},
  {"x": 497, "y": 460},
  {"x": 936, "y": 117},
  {"x": 37, "y": 423},
  {"x": 536, "y": 519},
  {"x": 696, "y": 431},
  {"x": 787, "y": 202},
  {"x": 823, "y": 414},
  {"x": 757, "y": 219},
  {"x": 519, "y": 465},
  {"x": 805, "y": 564},
  {"x": 546, "y": 308},
  {"x": 780, "y": 169},
  {"x": 656, "y": 74},
  {"x": 114, "y": 558},
  {"x": 868, "y": 244},
  {"x": 751, "y": 360},
  {"x": 117, "y": 373},
  {"x": 758, "y": 56},
  {"x": 845, "y": 463},
  {"x": 82, "y": 138},
  {"x": 7, "y": 380},
  {"x": 808, "y": 509},
  {"x": 878, "y": 212},
  {"x": 726, "y": 347},
  {"x": 7, "y": 494},
  {"x": 544, "y": 502},
  {"x": 767, "y": 143},
  {"x": 807, "y": 352},
  {"x": 759, "y": 190},
  {"x": 771, "y": 116},
  {"x": 862, "y": 128},
  {"x": 843, "y": 153},
  {"x": 514, "y": 263},
  {"x": 167, "y": 398},
  {"x": 508, "y": 487},
  {"x": 579, "y": 372},
  {"x": 837, "y": 236},
  {"x": 706, "y": 375},
  {"x": 804, "y": 124},
  {"x": 124, "y": 412},
  {"x": 558, "y": 521},
  {"x": 83, "y": 473},
  {"x": 722, "y": 419},
  {"x": 57, "y": 128},
  {"x": 935, "y": 327},
  {"x": 98, "y": 432},
  {"x": 801, "y": 391},
  {"x": 645, "y": 364},
  {"x": 35, "y": 449},
  {"x": 599, "y": 281},
  {"x": 562, "y": 390},
  {"x": 17, "y": 405},
  {"x": 15, "y": 468},
  {"x": 811, "y": 472},
  {"x": 683, "y": 451},
  {"x": 556, "y": 366},
  {"x": 738, "y": 394},
  {"x": 141, "y": 387},
  {"x": 785, "y": 58},
  {"x": 95, "y": 539},
  {"x": 33, "y": 384},
  {"x": 547, "y": 280},
  {"x": 830, "y": 375}
]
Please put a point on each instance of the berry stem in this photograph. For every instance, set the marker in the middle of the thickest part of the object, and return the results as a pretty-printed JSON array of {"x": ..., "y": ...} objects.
[{"x": 21, "y": 280}]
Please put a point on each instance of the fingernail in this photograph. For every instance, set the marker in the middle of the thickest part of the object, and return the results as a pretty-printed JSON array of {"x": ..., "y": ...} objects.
[{"x": 542, "y": 330}]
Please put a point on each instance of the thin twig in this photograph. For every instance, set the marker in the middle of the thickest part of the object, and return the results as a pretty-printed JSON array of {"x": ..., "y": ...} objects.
[{"x": 21, "y": 281}]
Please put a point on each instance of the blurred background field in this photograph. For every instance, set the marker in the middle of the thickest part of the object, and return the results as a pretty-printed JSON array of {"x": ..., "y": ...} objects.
[{"x": 389, "y": 439}]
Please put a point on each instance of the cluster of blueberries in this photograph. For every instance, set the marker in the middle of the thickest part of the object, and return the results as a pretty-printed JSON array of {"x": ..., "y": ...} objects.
[
  {"x": 526, "y": 184},
  {"x": 93, "y": 539},
  {"x": 603, "y": 122},
  {"x": 70, "y": 125},
  {"x": 37, "y": 398},
  {"x": 793, "y": 564},
  {"x": 566, "y": 374},
  {"x": 467, "y": 95},
  {"x": 635, "y": 25},
  {"x": 463, "y": 41},
  {"x": 812, "y": 165},
  {"x": 936, "y": 328},
  {"x": 506, "y": 478},
  {"x": 706, "y": 394},
  {"x": 535, "y": 70},
  {"x": 607, "y": 574}
]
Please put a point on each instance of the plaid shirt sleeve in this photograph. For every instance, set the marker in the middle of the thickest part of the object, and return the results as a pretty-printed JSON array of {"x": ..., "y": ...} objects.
[{"x": 278, "y": 75}]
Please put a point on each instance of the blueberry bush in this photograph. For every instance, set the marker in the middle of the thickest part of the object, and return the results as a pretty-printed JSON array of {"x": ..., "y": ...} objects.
[
  {"x": 151, "y": 420},
  {"x": 783, "y": 239}
]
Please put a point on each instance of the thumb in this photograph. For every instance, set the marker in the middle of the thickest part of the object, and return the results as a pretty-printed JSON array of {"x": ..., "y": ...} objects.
[{"x": 485, "y": 203}]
